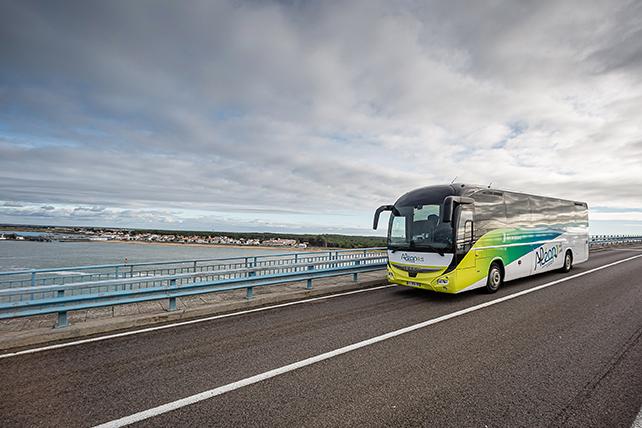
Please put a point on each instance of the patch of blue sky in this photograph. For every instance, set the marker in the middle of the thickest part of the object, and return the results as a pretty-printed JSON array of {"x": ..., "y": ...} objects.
[
  {"x": 461, "y": 152},
  {"x": 21, "y": 123},
  {"x": 348, "y": 139},
  {"x": 517, "y": 128},
  {"x": 599, "y": 209},
  {"x": 615, "y": 227},
  {"x": 92, "y": 132},
  {"x": 30, "y": 141},
  {"x": 337, "y": 137},
  {"x": 223, "y": 114}
]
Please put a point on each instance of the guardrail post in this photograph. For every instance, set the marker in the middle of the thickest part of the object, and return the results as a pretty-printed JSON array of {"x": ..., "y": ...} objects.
[
  {"x": 172, "y": 300},
  {"x": 249, "y": 293},
  {"x": 250, "y": 264},
  {"x": 33, "y": 283},
  {"x": 309, "y": 283},
  {"x": 355, "y": 275},
  {"x": 62, "y": 320},
  {"x": 253, "y": 273}
]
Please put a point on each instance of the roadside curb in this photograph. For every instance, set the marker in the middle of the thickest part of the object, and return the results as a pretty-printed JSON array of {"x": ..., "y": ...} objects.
[{"x": 15, "y": 340}]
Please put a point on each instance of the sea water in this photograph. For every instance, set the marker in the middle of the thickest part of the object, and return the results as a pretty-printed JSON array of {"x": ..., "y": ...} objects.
[{"x": 19, "y": 255}]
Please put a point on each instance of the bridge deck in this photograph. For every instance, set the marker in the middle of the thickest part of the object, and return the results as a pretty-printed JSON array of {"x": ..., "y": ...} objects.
[{"x": 569, "y": 354}]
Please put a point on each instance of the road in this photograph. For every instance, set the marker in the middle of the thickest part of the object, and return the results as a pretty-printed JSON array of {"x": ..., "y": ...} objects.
[{"x": 569, "y": 354}]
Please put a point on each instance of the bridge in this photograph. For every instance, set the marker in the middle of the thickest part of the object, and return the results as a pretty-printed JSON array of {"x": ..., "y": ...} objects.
[{"x": 553, "y": 349}]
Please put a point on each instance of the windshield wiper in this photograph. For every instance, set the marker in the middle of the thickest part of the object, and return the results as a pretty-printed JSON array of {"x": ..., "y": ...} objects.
[
  {"x": 394, "y": 248},
  {"x": 439, "y": 251}
]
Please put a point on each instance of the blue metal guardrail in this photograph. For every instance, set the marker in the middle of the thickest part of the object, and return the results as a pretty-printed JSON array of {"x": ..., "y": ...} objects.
[
  {"x": 606, "y": 240},
  {"x": 60, "y": 290}
]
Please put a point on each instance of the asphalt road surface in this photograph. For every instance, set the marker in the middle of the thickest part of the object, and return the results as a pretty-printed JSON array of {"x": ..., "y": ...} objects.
[{"x": 569, "y": 354}]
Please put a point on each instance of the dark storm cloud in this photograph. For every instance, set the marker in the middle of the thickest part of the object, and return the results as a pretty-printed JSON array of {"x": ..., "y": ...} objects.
[{"x": 318, "y": 108}]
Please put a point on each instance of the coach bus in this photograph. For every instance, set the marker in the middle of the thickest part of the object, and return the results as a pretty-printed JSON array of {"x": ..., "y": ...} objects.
[{"x": 458, "y": 237}]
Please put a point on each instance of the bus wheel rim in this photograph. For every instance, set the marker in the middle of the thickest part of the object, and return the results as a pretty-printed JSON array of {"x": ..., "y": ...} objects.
[{"x": 495, "y": 277}]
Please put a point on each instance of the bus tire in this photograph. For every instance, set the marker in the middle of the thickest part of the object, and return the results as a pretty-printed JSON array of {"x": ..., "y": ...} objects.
[
  {"x": 568, "y": 262},
  {"x": 495, "y": 277}
]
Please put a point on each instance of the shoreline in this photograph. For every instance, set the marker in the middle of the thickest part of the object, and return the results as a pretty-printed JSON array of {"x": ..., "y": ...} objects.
[
  {"x": 179, "y": 244},
  {"x": 257, "y": 247}
]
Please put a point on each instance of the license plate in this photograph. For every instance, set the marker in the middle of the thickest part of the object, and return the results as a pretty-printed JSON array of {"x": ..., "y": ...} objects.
[{"x": 414, "y": 284}]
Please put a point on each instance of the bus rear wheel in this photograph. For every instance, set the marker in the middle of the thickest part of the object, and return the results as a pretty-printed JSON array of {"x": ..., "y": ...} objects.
[
  {"x": 495, "y": 277},
  {"x": 568, "y": 262}
]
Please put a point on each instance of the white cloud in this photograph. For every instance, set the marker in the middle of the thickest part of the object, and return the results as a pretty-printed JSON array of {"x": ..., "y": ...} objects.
[
  {"x": 317, "y": 109},
  {"x": 616, "y": 216}
]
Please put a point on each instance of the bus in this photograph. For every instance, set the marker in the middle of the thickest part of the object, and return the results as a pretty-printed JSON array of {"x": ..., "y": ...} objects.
[{"x": 458, "y": 237}]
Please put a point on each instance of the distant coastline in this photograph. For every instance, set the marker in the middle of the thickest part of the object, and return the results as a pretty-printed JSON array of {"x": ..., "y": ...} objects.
[
  {"x": 190, "y": 244},
  {"x": 286, "y": 248},
  {"x": 260, "y": 240}
]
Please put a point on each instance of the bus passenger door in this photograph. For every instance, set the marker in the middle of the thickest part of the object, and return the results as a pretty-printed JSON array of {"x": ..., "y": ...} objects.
[{"x": 464, "y": 239}]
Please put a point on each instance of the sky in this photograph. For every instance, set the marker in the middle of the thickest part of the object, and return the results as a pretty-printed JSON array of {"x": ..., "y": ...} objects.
[{"x": 299, "y": 116}]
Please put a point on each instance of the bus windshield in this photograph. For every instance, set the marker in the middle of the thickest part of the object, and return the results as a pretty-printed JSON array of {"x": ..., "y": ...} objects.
[{"x": 420, "y": 228}]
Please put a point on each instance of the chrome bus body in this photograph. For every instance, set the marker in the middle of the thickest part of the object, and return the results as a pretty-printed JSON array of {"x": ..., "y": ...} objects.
[{"x": 445, "y": 238}]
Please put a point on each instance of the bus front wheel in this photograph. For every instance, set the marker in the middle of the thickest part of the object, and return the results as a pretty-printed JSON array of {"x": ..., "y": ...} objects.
[
  {"x": 495, "y": 277},
  {"x": 568, "y": 262}
]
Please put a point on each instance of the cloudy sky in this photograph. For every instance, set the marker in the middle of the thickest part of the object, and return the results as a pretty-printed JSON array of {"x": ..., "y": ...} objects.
[{"x": 306, "y": 116}]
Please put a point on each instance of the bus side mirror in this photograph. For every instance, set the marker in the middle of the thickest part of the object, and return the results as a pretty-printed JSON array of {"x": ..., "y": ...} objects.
[
  {"x": 382, "y": 208},
  {"x": 447, "y": 212}
]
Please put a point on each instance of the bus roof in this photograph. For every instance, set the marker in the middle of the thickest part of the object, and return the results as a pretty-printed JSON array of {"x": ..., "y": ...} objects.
[{"x": 439, "y": 192}]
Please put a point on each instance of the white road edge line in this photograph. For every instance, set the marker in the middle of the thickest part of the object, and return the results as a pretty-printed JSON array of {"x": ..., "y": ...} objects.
[
  {"x": 168, "y": 407},
  {"x": 637, "y": 423},
  {"x": 178, "y": 324}
]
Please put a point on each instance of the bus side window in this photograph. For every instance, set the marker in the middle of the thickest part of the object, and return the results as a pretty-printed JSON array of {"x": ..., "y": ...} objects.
[
  {"x": 518, "y": 210},
  {"x": 490, "y": 212},
  {"x": 465, "y": 230},
  {"x": 468, "y": 231}
]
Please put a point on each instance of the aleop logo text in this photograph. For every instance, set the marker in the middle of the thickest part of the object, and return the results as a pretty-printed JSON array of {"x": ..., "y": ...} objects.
[
  {"x": 411, "y": 259},
  {"x": 544, "y": 257}
]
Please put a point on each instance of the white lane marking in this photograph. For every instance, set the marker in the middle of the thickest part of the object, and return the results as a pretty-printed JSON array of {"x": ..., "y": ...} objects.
[
  {"x": 627, "y": 249},
  {"x": 178, "y": 324},
  {"x": 168, "y": 407},
  {"x": 637, "y": 423}
]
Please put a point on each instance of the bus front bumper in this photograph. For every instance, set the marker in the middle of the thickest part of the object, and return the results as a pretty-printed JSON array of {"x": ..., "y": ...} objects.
[{"x": 434, "y": 281}]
